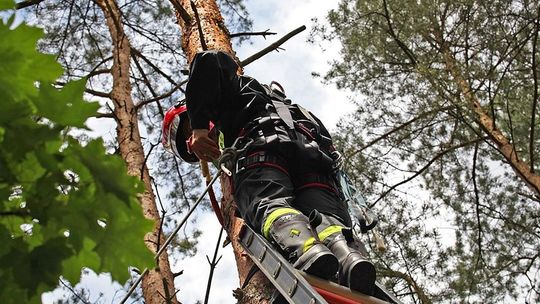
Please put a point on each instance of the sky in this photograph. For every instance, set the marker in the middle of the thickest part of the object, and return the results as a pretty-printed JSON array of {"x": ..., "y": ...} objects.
[{"x": 292, "y": 68}]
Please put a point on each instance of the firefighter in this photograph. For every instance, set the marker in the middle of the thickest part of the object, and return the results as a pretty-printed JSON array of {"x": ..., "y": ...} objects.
[{"x": 284, "y": 177}]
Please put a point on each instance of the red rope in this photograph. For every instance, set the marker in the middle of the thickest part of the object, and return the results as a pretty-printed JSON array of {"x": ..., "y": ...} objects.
[{"x": 215, "y": 205}]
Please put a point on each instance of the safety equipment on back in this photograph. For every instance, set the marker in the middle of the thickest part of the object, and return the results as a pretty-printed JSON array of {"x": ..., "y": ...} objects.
[
  {"x": 292, "y": 233},
  {"x": 176, "y": 133}
]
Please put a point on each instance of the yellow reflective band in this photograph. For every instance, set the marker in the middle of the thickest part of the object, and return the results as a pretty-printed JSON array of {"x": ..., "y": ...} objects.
[
  {"x": 329, "y": 231},
  {"x": 274, "y": 216},
  {"x": 294, "y": 232},
  {"x": 308, "y": 244},
  {"x": 221, "y": 141}
]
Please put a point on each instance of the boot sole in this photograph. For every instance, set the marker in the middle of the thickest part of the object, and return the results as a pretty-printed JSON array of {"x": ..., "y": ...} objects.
[{"x": 362, "y": 277}]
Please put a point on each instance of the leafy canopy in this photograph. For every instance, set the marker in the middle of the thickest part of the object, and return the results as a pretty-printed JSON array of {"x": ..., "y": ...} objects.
[
  {"x": 415, "y": 128},
  {"x": 63, "y": 206}
]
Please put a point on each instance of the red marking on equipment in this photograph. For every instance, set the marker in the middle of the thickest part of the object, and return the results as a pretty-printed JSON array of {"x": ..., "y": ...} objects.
[
  {"x": 318, "y": 185},
  {"x": 333, "y": 298},
  {"x": 272, "y": 165}
]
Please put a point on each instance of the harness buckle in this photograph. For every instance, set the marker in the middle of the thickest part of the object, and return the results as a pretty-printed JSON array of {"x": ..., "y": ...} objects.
[{"x": 240, "y": 164}]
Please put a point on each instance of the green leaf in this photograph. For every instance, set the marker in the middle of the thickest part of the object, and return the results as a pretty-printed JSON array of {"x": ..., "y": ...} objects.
[
  {"x": 66, "y": 106},
  {"x": 86, "y": 257},
  {"x": 21, "y": 64},
  {"x": 6, "y": 4}
]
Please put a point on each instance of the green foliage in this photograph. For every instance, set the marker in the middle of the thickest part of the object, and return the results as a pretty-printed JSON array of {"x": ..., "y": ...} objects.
[
  {"x": 414, "y": 124},
  {"x": 63, "y": 206}
]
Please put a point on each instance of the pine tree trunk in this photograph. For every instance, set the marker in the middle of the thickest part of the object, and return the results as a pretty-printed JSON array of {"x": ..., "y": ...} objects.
[
  {"x": 216, "y": 37},
  {"x": 158, "y": 284},
  {"x": 487, "y": 124}
]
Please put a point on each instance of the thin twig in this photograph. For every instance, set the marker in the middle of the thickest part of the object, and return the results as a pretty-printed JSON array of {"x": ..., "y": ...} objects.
[
  {"x": 477, "y": 203},
  {"x": 152, "y": 65},
  {"x": 199, "y": 26},
  {"x": 263, "y": 33},
  {"x": 64, "y": 37},
  {"x": 271, "y": 47},
  {"x": 73, "y": 291},
  {"x": 27, "y": 3},
  {"x": 182, "y": 12},
  {"x": 425, "y": 167},
  {"x": 535, "y": 96},
  {"x": 213, "y": 265},
  {"x": 158, "y": 98}
]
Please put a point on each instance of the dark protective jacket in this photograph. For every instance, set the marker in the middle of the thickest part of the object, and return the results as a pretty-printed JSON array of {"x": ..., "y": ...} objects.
[{"x": 241, "y": 106}]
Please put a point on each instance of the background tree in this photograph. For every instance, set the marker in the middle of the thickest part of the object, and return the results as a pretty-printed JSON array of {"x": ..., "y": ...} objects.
[
  {"x": 62, "y": 205},
  {"x": 448, "y": 104},
  {"x": 134, "y": 45}
]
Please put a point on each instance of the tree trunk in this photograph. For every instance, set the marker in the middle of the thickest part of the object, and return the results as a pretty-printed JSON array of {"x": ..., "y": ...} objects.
[
  {"x": 487, "y": 125},
  {"x": 216, "y": 37},
  {"x": 158, "y": 284}
]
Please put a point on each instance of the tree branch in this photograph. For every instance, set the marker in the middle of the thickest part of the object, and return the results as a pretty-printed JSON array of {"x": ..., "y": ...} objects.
[
  {"x": 535, "y": 97},
  {"x": 15, "y": 213},
  {"x": 165, "y": 95},
  {"x": 27, "y": 3},
  {"x": 400, "y": 43},
  {"x": 426, "y": 166},
  {"x": 397, "y": 274},
  {"x": 263, "y": 33},
  {"x": 152, "y": 65},
  {"x": 73, "y": 292},
  {"x": 477, "y": 203},
  {"x": 213, "y": 265},
  {"x": 199, "y": 26},
  {"x": 271, "y": 47},
  {"x": 400, "y": 127},
  {"x": 182, "y": 12}
]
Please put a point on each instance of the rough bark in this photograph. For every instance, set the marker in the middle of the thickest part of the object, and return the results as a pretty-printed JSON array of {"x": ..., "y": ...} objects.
[
  {"x": 216, "y": 37},
  {"x": 158, "y": 285}
]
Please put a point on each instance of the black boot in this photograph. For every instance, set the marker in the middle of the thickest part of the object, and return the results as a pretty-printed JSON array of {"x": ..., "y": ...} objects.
[
  {"x": 355, "y": 271},
  {"x": 294, "y": 235}
]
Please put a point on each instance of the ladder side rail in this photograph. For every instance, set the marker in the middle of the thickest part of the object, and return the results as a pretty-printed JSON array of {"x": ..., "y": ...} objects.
[{"x": 287, "y": 280}]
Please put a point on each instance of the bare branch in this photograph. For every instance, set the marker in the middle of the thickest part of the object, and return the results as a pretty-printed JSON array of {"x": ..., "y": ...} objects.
[
  {"x": 213, "y": 265},
  {"x": 535, "y": 96},
  {"x": 27, "y": 3},
  {"x": 271, "y": 47},
  {"x": 98, "y": 93},
  {"x": 400, "y": 127},
  {"x": 477, "y": 203},
  {"x": 157, "y": 69},
  {"x": 199, "y": 26},
  {"x": 263, "y": 33},
  {"x": 426, "y": 166},
  {"x": 89, "y": 91},
  {"x": 73, "y": 292},
  {"x": 394, "y": 36},
  {"x": 182, "y": 12},
  {"x": 165, "y": 95},
  {"x": 65, "y": 35}
]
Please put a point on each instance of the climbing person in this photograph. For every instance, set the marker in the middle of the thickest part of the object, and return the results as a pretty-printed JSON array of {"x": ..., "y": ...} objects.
[{"x": 284, "y": 181}]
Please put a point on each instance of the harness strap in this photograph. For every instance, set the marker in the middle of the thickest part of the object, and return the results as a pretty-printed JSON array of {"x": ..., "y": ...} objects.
[
  {"x": 283, "y": 111},
  {"x": 316, "y": 181},
  {"x": 261, "y": 159}
]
